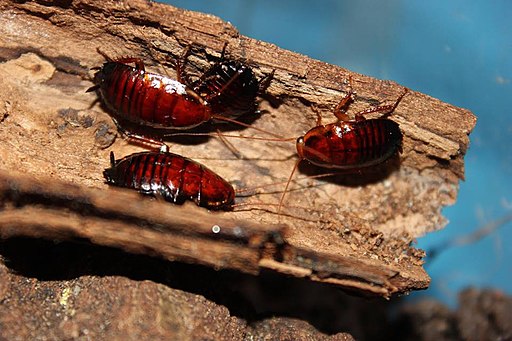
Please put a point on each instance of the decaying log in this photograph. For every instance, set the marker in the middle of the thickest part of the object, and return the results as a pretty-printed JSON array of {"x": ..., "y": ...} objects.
[
  {"x": 354, "y": 231},
  {"x": 68, "y": 212}
]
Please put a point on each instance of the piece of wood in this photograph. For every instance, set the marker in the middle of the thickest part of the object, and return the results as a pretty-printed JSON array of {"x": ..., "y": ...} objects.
[
  {"x": 65, "y": 211},
  {"x": 68, "y": 212},
  {"x": 354, "y": 231}
]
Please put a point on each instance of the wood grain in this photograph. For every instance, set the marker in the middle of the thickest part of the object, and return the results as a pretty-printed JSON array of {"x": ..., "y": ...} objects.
[{"x": 354, "y": 230}]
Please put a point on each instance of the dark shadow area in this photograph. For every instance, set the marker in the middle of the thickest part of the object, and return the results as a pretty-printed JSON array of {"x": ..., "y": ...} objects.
[
  {"x": 483, "y": 314},
  {"x": 62, "y": 64},
  {"x": 353, "y": 177},
  {"x": 251, "y": 298},
  {"x": 187, "y": 136}
]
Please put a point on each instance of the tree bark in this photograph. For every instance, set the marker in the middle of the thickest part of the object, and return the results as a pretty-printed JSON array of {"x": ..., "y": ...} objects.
[{"x": 354, "y": 231}]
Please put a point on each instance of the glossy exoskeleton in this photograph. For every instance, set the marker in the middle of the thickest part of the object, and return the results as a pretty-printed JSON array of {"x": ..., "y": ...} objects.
[
  {"x": 172, "y": 177},
  {"x": 148, "y": 99},
  {"x": 352, "y": 144},
  {"x": 230, "y": 87},
  {"x": 227, "y": 89}
]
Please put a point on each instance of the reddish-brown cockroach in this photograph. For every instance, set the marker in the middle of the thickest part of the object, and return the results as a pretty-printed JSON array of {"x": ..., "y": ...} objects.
[
  {"x": 146, "y": 98},
  {"x": 350, "y": 144},
  {"x": 176, "y": 179},
  {"x": 228, "y": 89},
  {"x": 172, "y": 177}
]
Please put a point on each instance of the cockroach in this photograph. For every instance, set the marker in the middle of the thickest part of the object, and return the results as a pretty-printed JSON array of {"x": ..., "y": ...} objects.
[
  {"x": 148, "y": 99},
  {"x": 350, "y": 144},
  {"x": 176, "y": 179},
  {"x": 228, "y": 89},
  {"x": 171, "y": 176}
]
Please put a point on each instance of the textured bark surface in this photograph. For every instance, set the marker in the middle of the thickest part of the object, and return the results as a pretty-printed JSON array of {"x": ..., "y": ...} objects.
[
  {"x": 116, "y": 307},
  {"x": 358, "y": 228}
]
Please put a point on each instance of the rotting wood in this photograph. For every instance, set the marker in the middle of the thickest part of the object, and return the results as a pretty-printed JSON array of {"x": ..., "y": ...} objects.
[
  {"x": 48, "y": 128},
  {"x": 64, "y": 211},
  {"x": 68, "y": 212}
]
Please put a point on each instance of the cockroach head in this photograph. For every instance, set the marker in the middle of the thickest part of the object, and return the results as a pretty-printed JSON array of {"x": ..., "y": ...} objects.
[{"x": 110, "y": 174}]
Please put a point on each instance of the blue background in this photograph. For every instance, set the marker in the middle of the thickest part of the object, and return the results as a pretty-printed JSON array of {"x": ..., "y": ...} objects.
[{"x": 458, "y": 51}]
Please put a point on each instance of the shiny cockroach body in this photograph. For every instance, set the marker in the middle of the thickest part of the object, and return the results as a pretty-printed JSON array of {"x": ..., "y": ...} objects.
[
  {"x": 148, "y": 99},
  {"x": 176, "y": 179},
  {"x": 227, "y": 89},
  {"x": 230, "y": 87},
  {"x": 350, "y": 144},
  {"x": 171, "y": 176}
]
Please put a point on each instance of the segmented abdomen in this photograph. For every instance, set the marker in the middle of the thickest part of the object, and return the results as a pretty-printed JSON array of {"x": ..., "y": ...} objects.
[
  {"x": 230, "y": 87},
  {"x": 352, "y": 144},
  {"x": 148, "y": 99},
  {"x": 174, "y": 177}
]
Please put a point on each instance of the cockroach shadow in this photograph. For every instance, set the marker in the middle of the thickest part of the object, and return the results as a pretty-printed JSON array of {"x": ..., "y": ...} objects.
[{"x": 353, "y": 178}]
